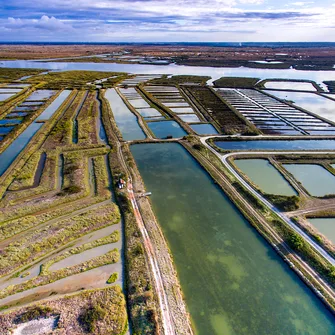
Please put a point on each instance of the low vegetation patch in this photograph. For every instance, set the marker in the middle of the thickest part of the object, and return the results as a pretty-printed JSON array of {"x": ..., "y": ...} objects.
[
  {"x": 8, "y": 75},
  {"x": 236, "y": 82},
  {"x": 71, "y": 79},
  {"x": 184, "y": 79},
  {"x": 113, "y": 278},
  {"x": 99, "y": 312},
  {"x": 284, "y": 203}
]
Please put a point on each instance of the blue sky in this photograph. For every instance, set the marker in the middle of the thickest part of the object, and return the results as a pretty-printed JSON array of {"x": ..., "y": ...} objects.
[{"x": 167, "y": 20}]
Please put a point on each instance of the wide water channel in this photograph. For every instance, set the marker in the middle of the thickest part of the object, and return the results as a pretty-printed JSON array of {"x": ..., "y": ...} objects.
[
  {"x": 233, "y": 281},
  {"x": 277, "y": 145},
  {"x": 125, "y": 119},
  {"x": 215, "y": 73}
]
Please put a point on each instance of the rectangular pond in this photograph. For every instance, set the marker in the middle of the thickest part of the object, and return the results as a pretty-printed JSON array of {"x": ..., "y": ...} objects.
[
  {"x": 204, "y": 129},
  {"x": 290, "y": 85},
  {"x": 4, "y": 97},
  {"x": 12, "y": 151},
  {"x": 125, "y": 119},
  {"x": 10, "y": 121},
  {"x": 287, "y": 145},
  {"x": 262, "y": 173},
  {"x": 315, "y": 178},
  {"x": 51, "y": 109},
  {"x": 326, "y": 226},
  {"x": 164, "y": 129},
  {"x": 188, "y": 118},
  {"x": 41, "y": 95},
  {"x": 149, "y": 112},
  {"x": 233, "y": 281}
]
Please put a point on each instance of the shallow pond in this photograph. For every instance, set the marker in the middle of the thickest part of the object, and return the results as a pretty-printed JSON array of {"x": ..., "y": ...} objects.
[
  {"x": 277, "y": 145},
  {"x": 233, "y": 282},
  {"x": 182, "y": 110},
  {"x": 149, "y": 112},
  {"x": 290, "y": 85},
  {"x": 326, "y": 226},
  {"x": 125, "y": 119},
  {"x": 163, "y": 129},
  {"x": 51, "y": 109},
  {"x": 315, "y": 178},
  {"x": 204, "y": 129},
  {"x": 4, "y": 97},
  {"x": 189, "y": 118},
  {"x": 10, "y": 121},
  {"x": 262, "y": 173},
  {"x": 40, "y": 95}
]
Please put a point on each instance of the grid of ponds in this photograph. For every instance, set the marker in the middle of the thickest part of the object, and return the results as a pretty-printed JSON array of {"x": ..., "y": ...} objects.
[
  {"x": 313, "y": 103},
  {"x": 10, "y": 90},
  {"x": 33, "y": 103},
  {"x": 140, "y": 104},
  {"x": 171, "y": 97},
  {"x": 272, "y": 116}
]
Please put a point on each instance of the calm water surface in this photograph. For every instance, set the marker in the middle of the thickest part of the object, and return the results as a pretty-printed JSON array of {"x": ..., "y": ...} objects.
[
  {"x": 233, "y": 282},
  {"x": 262, "y": 173}
]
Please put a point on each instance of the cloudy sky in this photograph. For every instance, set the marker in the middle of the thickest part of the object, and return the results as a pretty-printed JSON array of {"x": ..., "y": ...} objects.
[{"x": 167, "y": 20}]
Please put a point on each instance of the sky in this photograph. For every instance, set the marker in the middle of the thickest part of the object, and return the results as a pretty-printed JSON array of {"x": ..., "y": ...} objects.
[{"x": 167, "y": 20}]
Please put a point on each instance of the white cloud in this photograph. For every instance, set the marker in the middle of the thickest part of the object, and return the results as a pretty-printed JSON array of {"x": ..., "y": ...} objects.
[{"x": 45, "y": 22}]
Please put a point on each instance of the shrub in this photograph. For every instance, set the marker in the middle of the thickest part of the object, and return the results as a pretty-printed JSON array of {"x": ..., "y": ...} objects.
[
  {"x": 35, "y": 313},
  {"x": 92, "y": 316},
  {"x": 113, "y": 278}
]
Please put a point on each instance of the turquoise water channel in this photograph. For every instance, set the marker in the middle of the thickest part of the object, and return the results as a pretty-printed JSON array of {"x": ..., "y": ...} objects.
[{"x": 232, "y": 280}]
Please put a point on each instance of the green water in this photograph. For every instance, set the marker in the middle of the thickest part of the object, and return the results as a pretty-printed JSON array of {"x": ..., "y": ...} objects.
[
  {"x": 233, "y": 282},
  {"x": 325, "y": 226},
  {"x": 315, "y": 178},
  {"x": 262, "y": 173}
]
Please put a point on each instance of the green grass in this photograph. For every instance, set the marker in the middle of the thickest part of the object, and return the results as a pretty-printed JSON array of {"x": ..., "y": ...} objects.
[
  {"x": 8, "y": 75},
  {"x": 113, "y": 278},
  {"x": 236, "y": 82},
  {"x": 71, "y": 79},
  {"x": 182, "y": 79}
]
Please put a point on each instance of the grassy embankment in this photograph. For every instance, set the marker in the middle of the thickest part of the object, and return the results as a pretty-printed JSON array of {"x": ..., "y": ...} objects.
[
  {"x": 180, "y": 80},
  {"x": 9, "y": 75},
  {"x": 236, "y": 82},
  {"x": 140, "y": 294},
  {"x": 76, "y": 79},
  {"x": 102, "y": 312}
]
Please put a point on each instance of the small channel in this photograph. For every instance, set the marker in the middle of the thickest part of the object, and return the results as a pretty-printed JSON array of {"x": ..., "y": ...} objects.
[
  {"x": 124, "y": 118},
  {"x": 13, "y": 150},
  {"x": 232, "y": 280}
]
